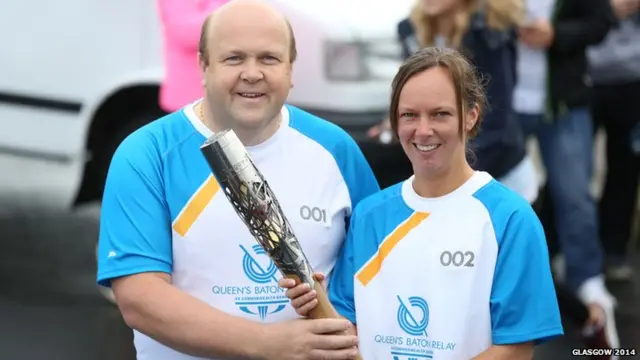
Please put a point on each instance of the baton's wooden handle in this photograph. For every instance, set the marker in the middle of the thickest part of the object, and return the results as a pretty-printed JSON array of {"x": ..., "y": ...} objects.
[{"x": 324, "y": 309}]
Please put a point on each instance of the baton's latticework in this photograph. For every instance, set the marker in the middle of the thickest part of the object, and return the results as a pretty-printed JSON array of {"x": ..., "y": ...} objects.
[
  {"x": 260, "y": 211},
  {"x": 256, "y": 205}
]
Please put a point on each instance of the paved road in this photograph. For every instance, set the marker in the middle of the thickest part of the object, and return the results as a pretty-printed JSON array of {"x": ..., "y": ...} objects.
[{"x": 50, "y": 308}]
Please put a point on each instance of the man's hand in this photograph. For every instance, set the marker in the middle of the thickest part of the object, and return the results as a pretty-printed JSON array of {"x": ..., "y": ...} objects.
[
  {"x": 321, "y": 339},
  {"x": 539, "y": 34},
  {"x": 625, "y": 8},
  {"x": 303, "y": 298}
]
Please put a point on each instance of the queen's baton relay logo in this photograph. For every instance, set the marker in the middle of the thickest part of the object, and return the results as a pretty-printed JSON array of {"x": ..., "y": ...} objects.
[
  {"x": 415, "y": 344},
  {"x": 265, "y": 297},
  {"x": 409, "y": 322}
]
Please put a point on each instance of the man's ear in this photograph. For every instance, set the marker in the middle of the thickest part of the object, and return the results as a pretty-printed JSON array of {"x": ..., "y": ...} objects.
[
  {"x": 290, "y": 73},
  {"x": 203, "y": 64}
]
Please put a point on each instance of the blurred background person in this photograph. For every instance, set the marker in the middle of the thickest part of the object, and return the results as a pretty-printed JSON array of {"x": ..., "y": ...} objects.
[
  {"x": 483, "y": 31},
  {"x": 615, "y": 70},
  {"x": 181, "y": 23},
  {"x": 530, "y": 100},
  {"x": 553, "y": 105}
]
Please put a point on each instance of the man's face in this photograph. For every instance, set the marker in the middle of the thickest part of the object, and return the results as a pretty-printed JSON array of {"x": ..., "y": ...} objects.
[{"x": 248, "y": 77}]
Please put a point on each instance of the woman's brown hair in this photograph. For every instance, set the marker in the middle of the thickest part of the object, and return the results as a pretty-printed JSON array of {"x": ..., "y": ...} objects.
[
  {"x": 499, "y": 15},
  {"x": 467, "y": 83}
]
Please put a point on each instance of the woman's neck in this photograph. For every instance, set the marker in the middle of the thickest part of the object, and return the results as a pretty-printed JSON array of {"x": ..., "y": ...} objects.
[{"x": 442, "y": 184}]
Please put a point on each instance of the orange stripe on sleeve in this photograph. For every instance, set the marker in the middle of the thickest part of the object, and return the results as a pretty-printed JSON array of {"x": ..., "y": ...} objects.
[
  {"x": 195, "y": 206},
  {"x": 373, "y": 267}
]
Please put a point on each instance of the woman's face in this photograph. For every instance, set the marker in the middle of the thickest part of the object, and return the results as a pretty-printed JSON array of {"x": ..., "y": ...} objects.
[
  {"x": 428, "y": 122},
  {"x": 439, "y": 7}
]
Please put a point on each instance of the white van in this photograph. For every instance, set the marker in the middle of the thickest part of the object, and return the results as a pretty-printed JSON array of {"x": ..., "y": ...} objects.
[{"x": 77, "y": 76}]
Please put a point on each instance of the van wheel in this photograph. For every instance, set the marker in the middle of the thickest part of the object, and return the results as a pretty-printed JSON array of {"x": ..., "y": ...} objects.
[{"x": 96, "y": 170}]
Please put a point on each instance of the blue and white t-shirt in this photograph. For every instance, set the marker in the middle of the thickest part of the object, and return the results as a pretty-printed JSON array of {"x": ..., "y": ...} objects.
[
  {"x": 163, "y": 212},
  {"x": 445, "y": 278}
]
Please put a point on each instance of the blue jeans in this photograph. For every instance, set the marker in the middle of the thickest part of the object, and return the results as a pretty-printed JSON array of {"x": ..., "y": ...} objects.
[{"x": 566, "y": 145}]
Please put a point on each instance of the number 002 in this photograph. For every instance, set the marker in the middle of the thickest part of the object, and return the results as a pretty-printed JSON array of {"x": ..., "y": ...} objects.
[{"x": 457, "y": 258}]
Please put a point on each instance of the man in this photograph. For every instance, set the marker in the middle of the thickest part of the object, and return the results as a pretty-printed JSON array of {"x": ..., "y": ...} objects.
[
  {"x": 556, "y": 111},
  {"x": 187, "y": 275}
]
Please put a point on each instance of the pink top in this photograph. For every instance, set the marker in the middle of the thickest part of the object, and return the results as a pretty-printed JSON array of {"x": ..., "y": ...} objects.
[{"x": 181, "y": 23}]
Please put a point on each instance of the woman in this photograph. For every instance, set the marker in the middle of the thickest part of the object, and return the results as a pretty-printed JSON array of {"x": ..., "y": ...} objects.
[
  {"x": 449, "y": 263},
  {"x": 484, "y": 30}
]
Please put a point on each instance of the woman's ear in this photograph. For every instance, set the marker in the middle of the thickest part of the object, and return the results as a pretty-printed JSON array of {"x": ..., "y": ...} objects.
[{"x": 472, "y": 118}]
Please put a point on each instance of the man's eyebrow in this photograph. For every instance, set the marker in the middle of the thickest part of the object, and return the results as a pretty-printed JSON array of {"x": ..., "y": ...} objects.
[
  {"x": 236, "y": 52},
  {"x": 231, "y": 52}
]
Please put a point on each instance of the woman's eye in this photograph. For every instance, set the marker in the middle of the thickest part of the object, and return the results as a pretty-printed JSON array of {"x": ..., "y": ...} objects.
[{"x": 441, "y": 115}]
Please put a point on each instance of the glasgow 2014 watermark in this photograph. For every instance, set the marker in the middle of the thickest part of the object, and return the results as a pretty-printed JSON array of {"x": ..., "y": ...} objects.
[{"x": 605, "y": 352}]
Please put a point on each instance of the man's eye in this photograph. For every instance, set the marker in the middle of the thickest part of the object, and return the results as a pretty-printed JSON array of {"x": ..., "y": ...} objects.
[{"x": 270, "y": 58}]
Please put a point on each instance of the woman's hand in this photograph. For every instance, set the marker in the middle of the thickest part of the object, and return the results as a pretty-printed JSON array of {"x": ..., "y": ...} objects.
[{"x": 303, "y": 298}]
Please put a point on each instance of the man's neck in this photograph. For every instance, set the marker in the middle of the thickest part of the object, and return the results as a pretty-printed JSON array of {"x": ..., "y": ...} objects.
[
  {"x": 248, "y": 136},
  {"x": 441, "y": 185}
]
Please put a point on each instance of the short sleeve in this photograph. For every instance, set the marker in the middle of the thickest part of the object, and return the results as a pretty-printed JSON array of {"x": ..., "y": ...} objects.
[
  {"x": 524, "y": 306},
  {"x": 360, "y": 179},
  {"x": 341, "y": 287},
  {"x": 135, "y": 225}
]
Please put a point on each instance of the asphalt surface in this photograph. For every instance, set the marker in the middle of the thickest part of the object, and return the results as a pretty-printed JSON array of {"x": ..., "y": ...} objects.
[{"x": 50, "y": 308}]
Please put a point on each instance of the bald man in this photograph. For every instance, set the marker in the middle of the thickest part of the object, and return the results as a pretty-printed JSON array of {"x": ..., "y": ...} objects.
[{"x": 187, "y": 275}]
